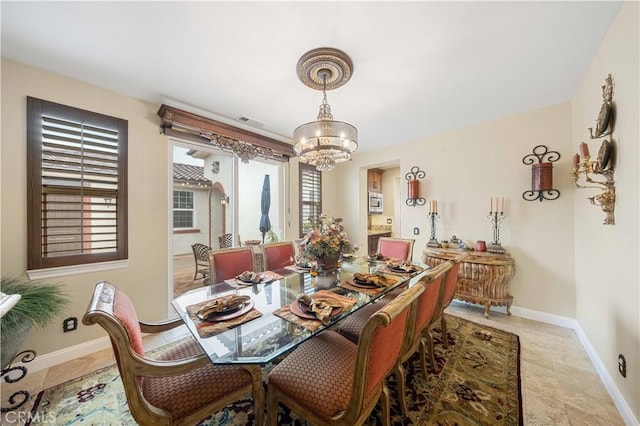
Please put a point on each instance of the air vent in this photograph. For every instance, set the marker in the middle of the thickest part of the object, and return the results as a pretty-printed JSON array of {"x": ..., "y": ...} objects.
[{"x": 250, "y": 122}]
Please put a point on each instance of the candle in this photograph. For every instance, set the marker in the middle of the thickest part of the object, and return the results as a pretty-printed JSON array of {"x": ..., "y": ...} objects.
[
  {"x": 584, "y": 150},
  {"x": 502, "y": 206},
  {"x": 576, "y": 161},
  {"x": 435, "y": 204},
  {"x": 491, "y": 205}
]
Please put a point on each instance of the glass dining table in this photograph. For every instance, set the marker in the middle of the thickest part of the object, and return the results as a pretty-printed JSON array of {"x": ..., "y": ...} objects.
[{"x": 268, "y": 336}]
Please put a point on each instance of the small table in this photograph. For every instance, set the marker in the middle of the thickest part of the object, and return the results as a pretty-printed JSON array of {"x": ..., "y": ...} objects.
[
  {"x": 483, "y": 278},
  {"x": 263, "y": 339}
]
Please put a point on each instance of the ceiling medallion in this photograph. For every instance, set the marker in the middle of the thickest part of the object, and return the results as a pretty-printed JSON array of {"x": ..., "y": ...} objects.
[{"x": 324, "y": 143}]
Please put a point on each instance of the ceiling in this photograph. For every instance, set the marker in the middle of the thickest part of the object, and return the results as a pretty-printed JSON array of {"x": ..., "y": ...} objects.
[{"x": 420, "y": 68}]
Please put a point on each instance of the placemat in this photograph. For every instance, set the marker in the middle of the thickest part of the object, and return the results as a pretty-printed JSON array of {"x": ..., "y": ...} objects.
[
  {"x": 308, "y": 323},
  {"x": 210, "y": 328},
  {"x": 369, "y": 291},
  {"x": 234, "y": 283}
]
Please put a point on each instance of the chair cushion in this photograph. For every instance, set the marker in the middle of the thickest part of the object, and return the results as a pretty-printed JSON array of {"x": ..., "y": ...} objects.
[
  {"x": 123, "y": 309},
  {"x": 318, "y": 374},
  {"x": 182, "y": 395}
]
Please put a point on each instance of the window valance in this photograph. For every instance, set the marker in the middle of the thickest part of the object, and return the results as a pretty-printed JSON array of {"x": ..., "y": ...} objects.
[{"x": 247, "y": 145}]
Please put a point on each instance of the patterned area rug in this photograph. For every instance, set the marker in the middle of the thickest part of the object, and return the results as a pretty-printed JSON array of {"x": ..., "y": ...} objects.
[{"x": 478, "y": 384}]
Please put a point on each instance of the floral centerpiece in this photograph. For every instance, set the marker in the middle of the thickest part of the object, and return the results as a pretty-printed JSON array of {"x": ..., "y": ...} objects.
[{"x": 325, "y": 242}]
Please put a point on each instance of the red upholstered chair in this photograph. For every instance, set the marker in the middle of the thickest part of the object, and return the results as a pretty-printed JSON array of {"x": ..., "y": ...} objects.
[
  {"x": 329, "y": 380},
  {"x": 396, "y": 248},
  {"x": 228, "y": 263},
  {"x": 448, "y": 291},
  {"x": 179, "y": 387},
  {"x": 277, "y": 255}
]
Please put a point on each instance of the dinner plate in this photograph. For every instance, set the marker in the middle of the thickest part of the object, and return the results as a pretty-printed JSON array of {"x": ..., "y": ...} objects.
[
  {"x": 230, "y": 314},
  {"x": 264, "y": 278},
  {"x": 377, "y": 259},
  {"x": 303, "y": 312}
]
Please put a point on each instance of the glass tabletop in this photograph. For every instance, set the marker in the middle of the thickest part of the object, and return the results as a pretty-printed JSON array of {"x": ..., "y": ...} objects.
[{"x": 268, "y": 336}]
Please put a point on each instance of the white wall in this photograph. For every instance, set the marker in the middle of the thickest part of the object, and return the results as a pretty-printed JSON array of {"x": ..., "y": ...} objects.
[{"x": 607, "y": 274}]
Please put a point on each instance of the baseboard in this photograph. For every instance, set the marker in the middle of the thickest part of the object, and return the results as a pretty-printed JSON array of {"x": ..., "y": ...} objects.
[{"x": 67, "y": 354}]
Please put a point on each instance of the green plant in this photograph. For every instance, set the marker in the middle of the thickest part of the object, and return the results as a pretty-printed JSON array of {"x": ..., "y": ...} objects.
[
  {"x": 272, "y": 237},
  {"x": 40, "y": 303},
  {"x": 325, "y": 239}
]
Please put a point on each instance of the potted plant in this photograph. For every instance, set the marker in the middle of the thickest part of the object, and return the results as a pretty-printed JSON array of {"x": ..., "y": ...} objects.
[
  {"x": 325, "y": 242},
  {"x": 40, "y": 303}
]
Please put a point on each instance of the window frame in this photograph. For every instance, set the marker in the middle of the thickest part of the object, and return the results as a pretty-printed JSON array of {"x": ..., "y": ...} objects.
[
  {"x": 304, "y": 168},
  {"x": 36, "y": 259}
]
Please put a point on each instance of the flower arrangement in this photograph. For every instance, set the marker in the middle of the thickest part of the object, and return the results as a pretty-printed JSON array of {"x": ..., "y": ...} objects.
[{"x": 325, "y": 240}]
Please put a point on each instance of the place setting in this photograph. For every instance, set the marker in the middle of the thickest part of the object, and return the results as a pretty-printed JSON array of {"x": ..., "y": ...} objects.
[
  {"x": 250, "y": 278},
  {"x": 370, "y": 284},
  {"x": 314, "y": 310},
  {"x": 396, "y": 267},
  {"x": 222, "y": 313}
]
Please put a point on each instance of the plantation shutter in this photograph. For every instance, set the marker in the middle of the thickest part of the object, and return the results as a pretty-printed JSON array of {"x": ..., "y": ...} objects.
[
  {"x": 310, "y": 197},
  {"x": 77, "y": 177}
]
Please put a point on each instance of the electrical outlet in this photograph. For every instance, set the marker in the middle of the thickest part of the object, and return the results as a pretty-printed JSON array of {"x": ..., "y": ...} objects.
[
  {"x": 622, "y": 365},
  {"x": 416, "y": 231},
  {"x": 70, "y": 324}
]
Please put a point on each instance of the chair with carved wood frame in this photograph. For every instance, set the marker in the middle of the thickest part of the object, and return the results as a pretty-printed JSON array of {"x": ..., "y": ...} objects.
[
  {"x": 329, "y": 380},
  {"x": 229, "y": 263},
  {"x": 180, "y": 386},
  {"x": 396, "y": 248},
  {"x": 277, "y": 255},
  {"x": 201, "y": 257}
]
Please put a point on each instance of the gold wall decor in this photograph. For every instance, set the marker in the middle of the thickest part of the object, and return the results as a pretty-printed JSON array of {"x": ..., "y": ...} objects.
[{"x": 599, "y": 173}]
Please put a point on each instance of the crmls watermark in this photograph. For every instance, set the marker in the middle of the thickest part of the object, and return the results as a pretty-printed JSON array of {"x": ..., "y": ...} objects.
[{"x": 21, "y": 417}]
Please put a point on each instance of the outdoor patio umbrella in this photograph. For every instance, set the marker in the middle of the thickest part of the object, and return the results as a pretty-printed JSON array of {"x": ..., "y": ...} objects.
[{"x": 265, "y": 204}]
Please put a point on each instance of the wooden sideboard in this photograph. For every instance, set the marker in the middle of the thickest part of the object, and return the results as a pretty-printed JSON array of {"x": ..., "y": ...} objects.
[{"x": 483, "y": 278}]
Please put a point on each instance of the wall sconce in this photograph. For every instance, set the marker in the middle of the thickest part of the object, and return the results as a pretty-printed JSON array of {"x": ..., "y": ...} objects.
[
  {"x": 215, "y": 167},
  {"x": 541, "y": 174},
  {"x": 413, "y": 187},
  {"x": 224, "y": 199},
  {"x": 599, "y": 174}
]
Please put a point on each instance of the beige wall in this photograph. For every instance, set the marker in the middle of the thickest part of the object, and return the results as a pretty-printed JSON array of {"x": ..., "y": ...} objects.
[
  {"x": 145, "y": 279},
  {"x": 464, "y": 168},
  {"x": 607, "y": 274}
]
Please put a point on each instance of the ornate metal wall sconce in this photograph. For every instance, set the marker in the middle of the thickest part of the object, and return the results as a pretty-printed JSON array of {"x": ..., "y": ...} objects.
[
  {"x": 599, "y": 174},
  {"x": 541, "y": 174},
  {"x": 413, "y": 187}
]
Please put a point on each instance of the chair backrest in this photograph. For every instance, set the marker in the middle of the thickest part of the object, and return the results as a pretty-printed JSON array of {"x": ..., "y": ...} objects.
[
  {"x": 451, "y": 279},
  {"x": 201, "y": 252},
  {"x": 396, "y": 248},
  {"x": 277, "y": 255},
  {"x": 112, "y": 310},
  {"x": 228, "y": 263},
  {"x": 379, "y": 348},
  {"x": 225, "y": 241}
]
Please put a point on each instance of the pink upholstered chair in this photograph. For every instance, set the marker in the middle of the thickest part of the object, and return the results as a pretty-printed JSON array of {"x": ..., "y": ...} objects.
[
  {"x": 180, "y": 386},
  {"x": 228, "y": 263},
  {"x": 329, "y": 380},
  {"x": 277, "y": 255},
  {"x": 448, "y": 291},
  {"x": 396, "y": 248}
]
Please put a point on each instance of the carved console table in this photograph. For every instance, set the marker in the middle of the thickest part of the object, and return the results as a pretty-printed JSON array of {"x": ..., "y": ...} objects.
[{"x": 483, "y": 278}]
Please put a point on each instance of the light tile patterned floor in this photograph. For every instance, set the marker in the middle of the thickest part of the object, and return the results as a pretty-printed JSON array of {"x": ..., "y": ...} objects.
[{"x": 559, "y": 384}]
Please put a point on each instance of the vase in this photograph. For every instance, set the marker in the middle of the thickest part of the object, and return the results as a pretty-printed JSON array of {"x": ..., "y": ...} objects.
[
  {"x": 329, "y": 263},
  {"x": 12, "y": 341},
  {"x": 326, "y": 280}
]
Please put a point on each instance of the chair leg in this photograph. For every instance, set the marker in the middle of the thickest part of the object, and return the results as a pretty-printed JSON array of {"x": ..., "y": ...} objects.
[
  {"x": 443, "y": 326},
  {"x": 423, "y": 357},
  {"x": 385, "y": 404},
  {"x": 432, "y": 357},
  {"x": 258, "y": 404},
  {"x": 401, "y": 378}
]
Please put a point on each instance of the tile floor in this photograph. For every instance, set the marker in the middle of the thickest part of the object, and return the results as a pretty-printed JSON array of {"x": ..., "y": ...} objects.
[{"x": 560, "y": 386}]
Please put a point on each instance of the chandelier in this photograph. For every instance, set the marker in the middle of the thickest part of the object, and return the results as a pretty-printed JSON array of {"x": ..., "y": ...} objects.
[{"x": 324, "y": 143}]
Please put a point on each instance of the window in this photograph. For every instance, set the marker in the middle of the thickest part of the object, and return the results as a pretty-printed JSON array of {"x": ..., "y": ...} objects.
[
  {"x": 310, "y": 197},
  {"x": 183, "y": 209},
  {"x": 77, "y": 180}
]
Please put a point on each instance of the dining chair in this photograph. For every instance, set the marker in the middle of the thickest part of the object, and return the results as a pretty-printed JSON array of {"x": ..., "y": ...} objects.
[
  {"x": 329, "y": 380},
  {"x": 396, "y": 248},
  {"x": 225, "y": 241},
  {"x": 231, "y": 262},
  {"x": 178, "y": 387},
  {"x": 277, "y": 255},
  {"x": 201, "y": 257},
  {"x": 447, "y": 293}
]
